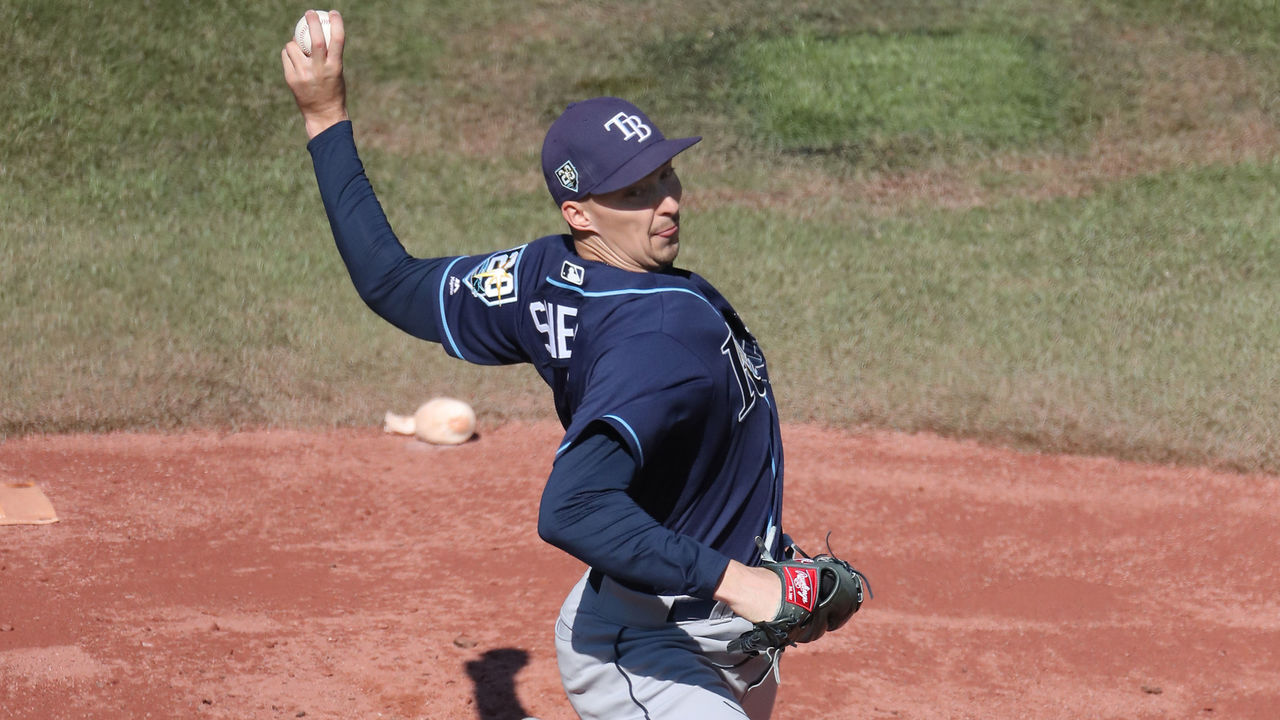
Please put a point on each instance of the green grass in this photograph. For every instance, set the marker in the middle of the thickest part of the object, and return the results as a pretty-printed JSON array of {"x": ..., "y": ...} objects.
[
  {"x": 826, "y": 95},
  {"x": 165, "y": 263}
]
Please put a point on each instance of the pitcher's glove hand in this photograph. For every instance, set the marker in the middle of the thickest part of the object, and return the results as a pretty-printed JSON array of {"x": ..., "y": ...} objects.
[{"x": 819, "y": 594}]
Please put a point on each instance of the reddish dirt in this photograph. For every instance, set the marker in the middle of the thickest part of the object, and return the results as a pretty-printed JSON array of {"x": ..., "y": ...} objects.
[{"x": 354, "y": 574}]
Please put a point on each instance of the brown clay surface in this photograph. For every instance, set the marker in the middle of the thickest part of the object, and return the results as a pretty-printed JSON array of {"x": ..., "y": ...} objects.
[{"x": 353, "y": 574}]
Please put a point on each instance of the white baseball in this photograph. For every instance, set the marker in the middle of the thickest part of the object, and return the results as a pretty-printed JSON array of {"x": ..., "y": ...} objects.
[
  {"x": 444, "y": 421},
  {"x": 302, "y": 31}
]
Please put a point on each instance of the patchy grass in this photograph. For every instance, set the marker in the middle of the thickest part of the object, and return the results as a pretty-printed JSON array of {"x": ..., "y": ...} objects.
[
  {"x": 1137, "y": 321},
  {"x": 981, "y": 256}
]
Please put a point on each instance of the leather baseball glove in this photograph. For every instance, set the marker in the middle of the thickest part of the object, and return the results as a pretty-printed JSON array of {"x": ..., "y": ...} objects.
[{"x": 819, "y": 594}]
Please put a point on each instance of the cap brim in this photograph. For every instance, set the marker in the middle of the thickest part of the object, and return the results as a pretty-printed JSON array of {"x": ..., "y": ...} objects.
[{"x": 644, "y": 162}]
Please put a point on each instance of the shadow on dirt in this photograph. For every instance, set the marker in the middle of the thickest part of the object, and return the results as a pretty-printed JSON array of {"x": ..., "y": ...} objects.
[{"x": 494, "y": 676}]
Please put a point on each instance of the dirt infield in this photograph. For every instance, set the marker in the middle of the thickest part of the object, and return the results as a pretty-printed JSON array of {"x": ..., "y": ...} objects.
[{"x": 354, "y": 574}]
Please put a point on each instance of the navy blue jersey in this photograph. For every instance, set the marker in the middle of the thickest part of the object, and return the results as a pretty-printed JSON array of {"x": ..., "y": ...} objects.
[{"x": 661, "y": 358}]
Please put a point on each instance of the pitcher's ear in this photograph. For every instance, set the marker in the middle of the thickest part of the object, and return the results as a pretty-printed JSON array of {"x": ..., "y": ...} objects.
[{"x": 576, "y": 215}]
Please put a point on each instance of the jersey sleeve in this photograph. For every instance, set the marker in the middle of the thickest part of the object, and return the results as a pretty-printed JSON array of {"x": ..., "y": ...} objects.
[
  {"x": 479, "y": 314},
  {"x": 650, "y": 389},
  {"x": 466, "y": 303},
  {"x": 586, "y": 512}
]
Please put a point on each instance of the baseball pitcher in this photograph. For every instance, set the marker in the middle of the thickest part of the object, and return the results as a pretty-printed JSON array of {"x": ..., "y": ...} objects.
[{"x": 668, "y": 480}]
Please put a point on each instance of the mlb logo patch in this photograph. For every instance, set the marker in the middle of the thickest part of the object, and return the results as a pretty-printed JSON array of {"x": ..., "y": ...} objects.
[
  {"x": 567, "y": 174},
  {"x": 571, "y": 273}
]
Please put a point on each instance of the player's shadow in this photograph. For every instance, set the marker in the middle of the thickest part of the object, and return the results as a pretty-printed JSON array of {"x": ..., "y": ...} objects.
[{"x": 494, "y": 677}]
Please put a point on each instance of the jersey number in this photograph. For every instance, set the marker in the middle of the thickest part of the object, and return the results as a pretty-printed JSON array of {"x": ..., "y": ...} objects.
[{"x": 558, "y": 323}]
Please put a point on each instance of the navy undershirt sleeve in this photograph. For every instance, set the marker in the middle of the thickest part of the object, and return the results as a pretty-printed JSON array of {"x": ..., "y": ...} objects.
[
  {"x": 400, "y": 288},
  {"x": 587, "y": 512}
]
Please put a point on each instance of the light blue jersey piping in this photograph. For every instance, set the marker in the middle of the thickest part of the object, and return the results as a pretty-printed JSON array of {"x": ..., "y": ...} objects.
[
  {"x": 626, "y": 426},
  {"x": 635, "y": 437},
  {"x": 444, "y": 322},
  {"x": 634, "y": 291}
]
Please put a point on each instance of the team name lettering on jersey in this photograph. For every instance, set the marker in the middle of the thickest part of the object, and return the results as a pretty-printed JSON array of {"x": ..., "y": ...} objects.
[
  {"x": 558, "y": 323},
  {"x": 493, "y": 281},
  {"x": 747, "y": 366}
]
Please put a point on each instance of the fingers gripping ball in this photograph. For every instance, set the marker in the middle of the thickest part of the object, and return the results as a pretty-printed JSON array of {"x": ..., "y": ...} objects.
[
  {"x": 819, "y": 594},
  {"x": 302, "y": 31}
]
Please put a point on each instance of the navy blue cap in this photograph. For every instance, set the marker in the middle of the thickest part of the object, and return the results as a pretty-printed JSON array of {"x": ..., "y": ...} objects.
[{"x": 600, "y": 145}]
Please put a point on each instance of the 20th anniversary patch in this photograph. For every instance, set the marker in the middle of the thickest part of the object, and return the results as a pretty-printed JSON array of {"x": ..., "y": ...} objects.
[{"x": 495, "y": 280}]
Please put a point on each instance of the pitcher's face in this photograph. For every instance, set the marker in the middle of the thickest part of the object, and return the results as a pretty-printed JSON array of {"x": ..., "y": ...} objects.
[{"x": 641, "y": 222}]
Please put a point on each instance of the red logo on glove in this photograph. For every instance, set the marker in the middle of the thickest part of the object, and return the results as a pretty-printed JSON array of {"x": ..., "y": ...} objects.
[{"x": 802, "y": 587}]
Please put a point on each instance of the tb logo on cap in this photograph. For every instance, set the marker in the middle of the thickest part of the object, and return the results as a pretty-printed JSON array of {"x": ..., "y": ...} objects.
[{"x": 630, "y": 125}]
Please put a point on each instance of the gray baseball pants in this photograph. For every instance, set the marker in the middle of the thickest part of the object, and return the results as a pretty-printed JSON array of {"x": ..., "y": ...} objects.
[{"x": 625, "y": 654}]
